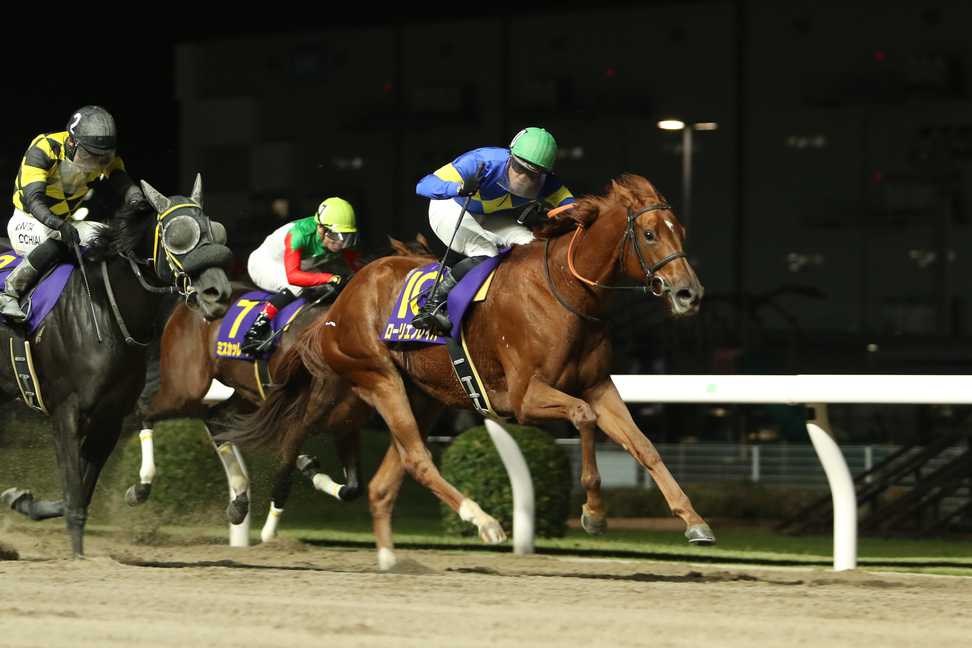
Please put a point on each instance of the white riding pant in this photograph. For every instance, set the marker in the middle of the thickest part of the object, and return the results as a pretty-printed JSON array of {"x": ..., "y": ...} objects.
[
  {"x": 478, "y": 235},
  {"x": 26, "y": 232},
  {"x": 268, "y": 272}
]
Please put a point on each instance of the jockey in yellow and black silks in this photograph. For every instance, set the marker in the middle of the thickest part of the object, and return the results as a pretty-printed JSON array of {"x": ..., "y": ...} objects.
[{"x": 52, "y": 181}]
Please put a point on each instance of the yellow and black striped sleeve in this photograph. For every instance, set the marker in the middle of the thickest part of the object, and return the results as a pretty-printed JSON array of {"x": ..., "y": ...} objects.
[{"x": 32, "y": 179}]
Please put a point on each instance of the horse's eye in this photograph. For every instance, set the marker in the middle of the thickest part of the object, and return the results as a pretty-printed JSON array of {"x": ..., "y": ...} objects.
[{"x": 649, "y": 235}]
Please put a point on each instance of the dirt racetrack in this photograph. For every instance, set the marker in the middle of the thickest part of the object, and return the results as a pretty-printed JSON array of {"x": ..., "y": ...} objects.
[{"x": 188, "y": 594}]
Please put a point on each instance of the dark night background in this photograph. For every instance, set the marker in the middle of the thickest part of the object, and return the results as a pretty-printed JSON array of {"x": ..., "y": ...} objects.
[{"x": 830, "y": 217}]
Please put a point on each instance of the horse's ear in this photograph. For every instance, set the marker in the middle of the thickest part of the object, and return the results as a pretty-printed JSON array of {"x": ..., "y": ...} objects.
[
  {"x": 159, "y": 202},
  {"x": 197, "y": 190},
  {"x": 623, "y": 193}
]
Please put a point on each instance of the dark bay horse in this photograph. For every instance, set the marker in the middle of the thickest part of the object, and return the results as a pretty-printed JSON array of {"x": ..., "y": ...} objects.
[
  {"x": 188, "y": 366},
  {"x": 90, "y": 386},
  {"x": 539, "y": 345}
]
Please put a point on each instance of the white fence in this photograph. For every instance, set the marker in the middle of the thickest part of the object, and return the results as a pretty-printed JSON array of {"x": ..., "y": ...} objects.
[{"x": 784, "y": 464}]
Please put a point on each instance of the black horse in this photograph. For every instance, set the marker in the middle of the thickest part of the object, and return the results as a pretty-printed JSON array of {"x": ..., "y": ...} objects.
[{"x": 90, "y": 385}]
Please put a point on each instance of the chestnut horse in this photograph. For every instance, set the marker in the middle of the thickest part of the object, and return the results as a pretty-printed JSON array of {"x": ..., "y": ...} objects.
[
  {"x": 538, "y": 342},
  {"x": 187, "y": 367}
]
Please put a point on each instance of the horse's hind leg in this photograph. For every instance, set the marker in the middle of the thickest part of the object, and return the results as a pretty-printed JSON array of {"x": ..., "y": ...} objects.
[
  {"x": 384, "y": 486},
  {"x": 348, "y": 446},
  {"x": 613, "y": 417},
  {"x": 382, "y": 492},
  {"x": 23, "y": 502},
  {"x": 386, "y": 393}
]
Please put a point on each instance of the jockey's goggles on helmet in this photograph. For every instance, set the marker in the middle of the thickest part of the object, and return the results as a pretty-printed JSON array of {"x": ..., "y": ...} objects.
[
  {"x": 522, "y": 178},
  {"x": 347, "y": 239}
]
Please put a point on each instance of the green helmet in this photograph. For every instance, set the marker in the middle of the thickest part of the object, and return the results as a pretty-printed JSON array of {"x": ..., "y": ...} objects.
[
  {"x": 337, "y": 215},
  {"x": 536, "y": 147}
]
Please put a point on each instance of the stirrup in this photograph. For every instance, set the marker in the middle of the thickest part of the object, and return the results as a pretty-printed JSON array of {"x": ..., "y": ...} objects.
[{"x": 434, "y": 320}]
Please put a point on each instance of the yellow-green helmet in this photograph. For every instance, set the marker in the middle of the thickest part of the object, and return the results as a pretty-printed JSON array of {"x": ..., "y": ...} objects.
[{"x": 337, "y": 215}]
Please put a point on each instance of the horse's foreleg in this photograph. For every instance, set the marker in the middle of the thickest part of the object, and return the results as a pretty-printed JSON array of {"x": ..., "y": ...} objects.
[
  {"x": 163, "y": 406},
  {"x": 100, "y": 441},
  {"x": 279, "y": 494},
  {"x": 238, "y": 479},
  {"x": 67, "y": 442},
  {"x": 231, "y": 458},
  {"x": 541, "y": 402},
  {"x": 386, "y": 393},
  {"x": 139, "y": 492},
  {"x": 614, "y": 418}
]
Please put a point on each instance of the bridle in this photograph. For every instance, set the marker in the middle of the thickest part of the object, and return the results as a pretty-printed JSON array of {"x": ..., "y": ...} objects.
[{"x": 654, "y": 283}]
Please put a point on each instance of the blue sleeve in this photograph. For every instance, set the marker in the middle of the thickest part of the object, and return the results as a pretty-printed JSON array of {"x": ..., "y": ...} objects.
[{"x": 447, "y": 181}]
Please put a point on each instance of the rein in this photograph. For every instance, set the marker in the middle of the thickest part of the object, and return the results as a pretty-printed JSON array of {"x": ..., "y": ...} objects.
[{"x": 654, "y": 283}]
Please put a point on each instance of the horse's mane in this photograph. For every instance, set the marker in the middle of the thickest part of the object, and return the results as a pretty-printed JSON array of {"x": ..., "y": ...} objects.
[
  {"x": 628, "y": 190},
  {"x": 417, "y": 248},
  {"x": 124, "y": 232}
]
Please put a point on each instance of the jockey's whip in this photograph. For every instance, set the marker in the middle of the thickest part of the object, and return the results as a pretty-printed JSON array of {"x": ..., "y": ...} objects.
[
  {"x": 87, "y": 287},
  {"x": 462, "y": 213}
]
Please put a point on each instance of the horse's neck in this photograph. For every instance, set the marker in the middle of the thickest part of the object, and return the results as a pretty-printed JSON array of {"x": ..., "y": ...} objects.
[
  {"x": 595, "y": 255},
  {"x": 138, "y": 307}
]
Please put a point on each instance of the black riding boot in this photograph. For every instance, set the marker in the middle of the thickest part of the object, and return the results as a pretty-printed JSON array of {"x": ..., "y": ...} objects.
[
  {"x": 25, "y": 276},
  {"x": 257, "y": 338},
  {"x": 433, "y": 315}
]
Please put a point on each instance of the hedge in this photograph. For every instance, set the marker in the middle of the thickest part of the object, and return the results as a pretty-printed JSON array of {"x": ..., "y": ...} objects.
[{"x": 473, "y": 465}]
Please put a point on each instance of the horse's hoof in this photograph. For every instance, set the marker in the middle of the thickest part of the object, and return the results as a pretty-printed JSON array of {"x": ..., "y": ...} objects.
[
  {"x": 492, "y": 533},
  {"x": 11, "y": 496},
  {"x": 700, "y": 534},
  {"x": 386, "y": 559},
  {"x": 237, "y": 509},
  {"x": 137, "y": 494},
  {"x": 348, "y": 493},
  {"x": 594, "y": 524}
]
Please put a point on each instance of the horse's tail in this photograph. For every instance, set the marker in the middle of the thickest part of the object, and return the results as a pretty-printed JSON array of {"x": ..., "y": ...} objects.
[{"x": 274, "y": 422}]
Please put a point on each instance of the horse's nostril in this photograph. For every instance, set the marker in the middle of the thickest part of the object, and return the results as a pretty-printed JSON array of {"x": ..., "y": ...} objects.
[
  {"x": 686, "y": 296},
  {"x": 212, "y": 293}
]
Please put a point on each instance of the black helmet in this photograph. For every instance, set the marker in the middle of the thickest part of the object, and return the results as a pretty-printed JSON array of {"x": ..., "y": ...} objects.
[{"x": 93, "y": 129}]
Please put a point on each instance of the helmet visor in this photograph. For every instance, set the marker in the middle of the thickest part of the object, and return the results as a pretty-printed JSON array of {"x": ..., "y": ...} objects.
[{"x": 523, "y": 179}]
